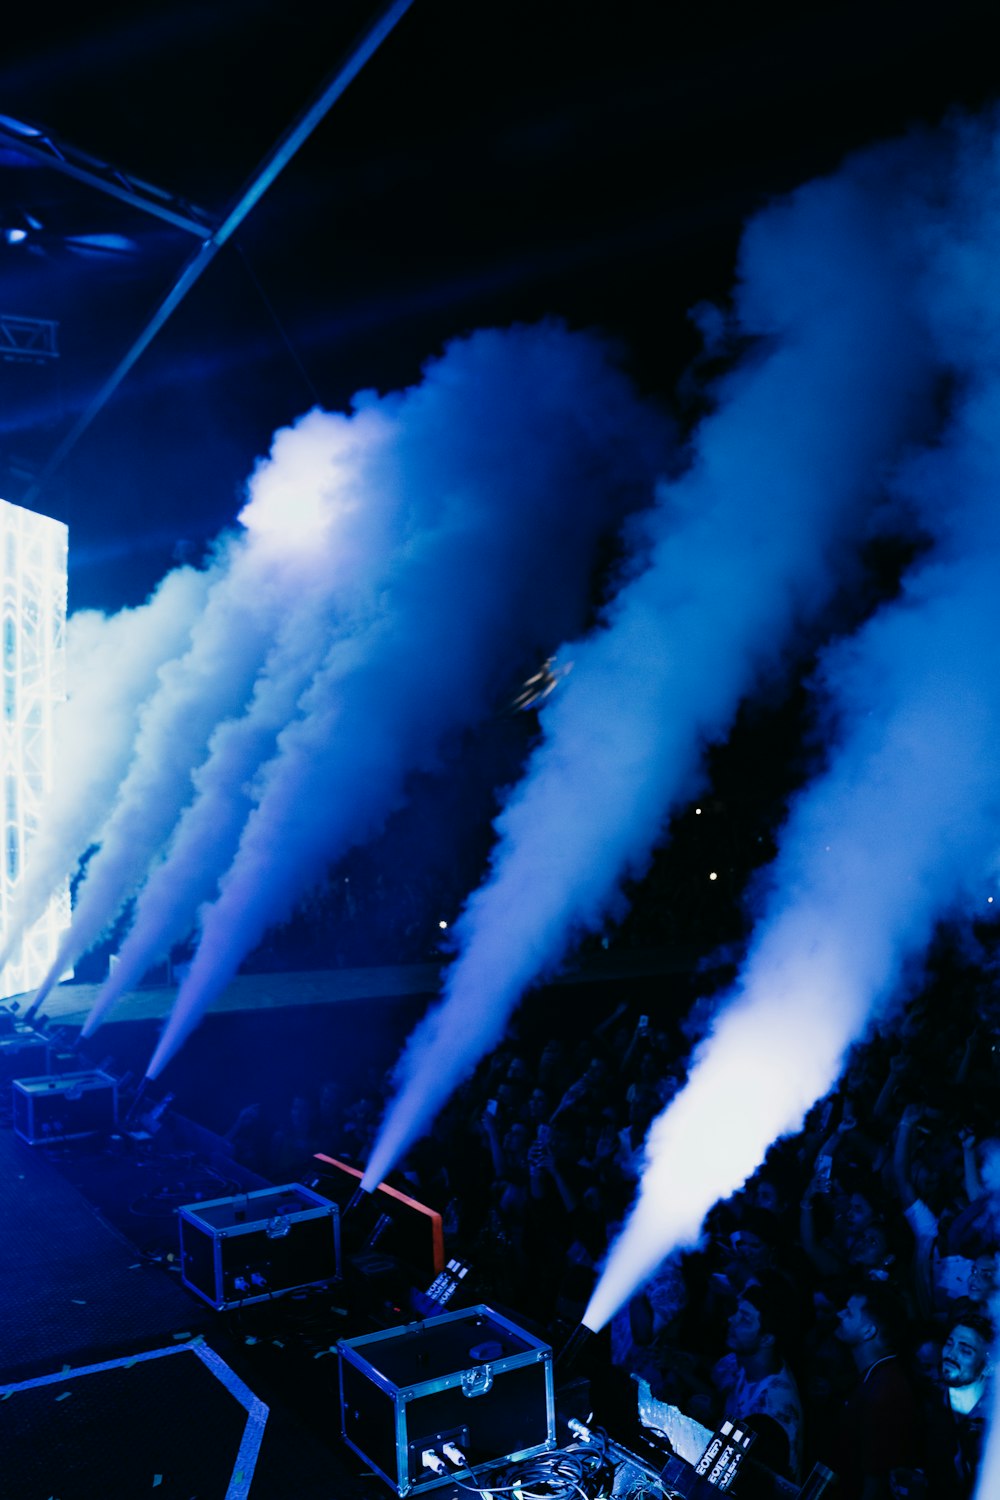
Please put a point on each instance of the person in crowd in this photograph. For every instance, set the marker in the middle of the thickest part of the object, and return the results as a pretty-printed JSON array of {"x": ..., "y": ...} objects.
[
  {"x": 879, "y": 1429},
  {"x": 751, "y": 1384},
  {"x": 539, "y": 1106},
  {"x": 752, "y": 1379},
  {"x": 649, "y": 1325},
  {"x": 552, "y": 1073},
  {"x": 889, "y": 1158},
  {"x": 837, "y": 1210},
  {"x": 958, "y": 1418},
  {"x": 984, "y": 1278},
  {"x": 643, "y": 1106},
  {"x": 330, "y": 1115},
  {"x": 248, "y": 1137},
  {"x": 293, "y": 1143},
  {"x": 590, "y": 1091}
]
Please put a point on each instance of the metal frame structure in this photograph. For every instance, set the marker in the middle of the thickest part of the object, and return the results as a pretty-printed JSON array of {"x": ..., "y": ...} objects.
[
  {"x": 28, "y": 341},
  {"x": 32, "y": 140},
  {"x": 44, "y": 147},
  {"x": 33, "y": 551}
]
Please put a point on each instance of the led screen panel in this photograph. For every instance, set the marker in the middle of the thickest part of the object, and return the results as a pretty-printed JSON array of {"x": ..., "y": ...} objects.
[{"x": 33, "y": 551}]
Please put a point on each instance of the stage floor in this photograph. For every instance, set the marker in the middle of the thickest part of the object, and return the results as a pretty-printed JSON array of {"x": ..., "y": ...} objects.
[
  {"x": 70, "y": 1003},
  {"x": 91, "y": 1406},
  {"x": 89, "y": 1246}
]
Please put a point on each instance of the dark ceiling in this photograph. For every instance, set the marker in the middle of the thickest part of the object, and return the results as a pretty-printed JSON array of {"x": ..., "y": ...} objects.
[{"x": 492, "y": 162}]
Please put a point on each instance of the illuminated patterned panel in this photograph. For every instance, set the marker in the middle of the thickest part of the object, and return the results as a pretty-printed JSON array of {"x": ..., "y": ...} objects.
[{"x": 32, "y": 642}]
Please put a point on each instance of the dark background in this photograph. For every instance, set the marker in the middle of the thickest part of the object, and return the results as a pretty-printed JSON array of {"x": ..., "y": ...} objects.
[{"x": 493, "y": 162}]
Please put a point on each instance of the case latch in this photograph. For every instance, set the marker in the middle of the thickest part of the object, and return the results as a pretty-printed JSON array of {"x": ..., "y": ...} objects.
[{"x": 477, "y": 1381}]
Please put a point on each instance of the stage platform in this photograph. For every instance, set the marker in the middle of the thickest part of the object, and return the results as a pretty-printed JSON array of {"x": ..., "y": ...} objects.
[
  {"x": 69, "y": 1433},
  {"x": 95, "y": 1398},
  {"x": 116, "y": 1381},
  {"x": 274, "y": 1037},
  {"x": 71, "y": 1286},
  {"x": 70, "y": 1003}
]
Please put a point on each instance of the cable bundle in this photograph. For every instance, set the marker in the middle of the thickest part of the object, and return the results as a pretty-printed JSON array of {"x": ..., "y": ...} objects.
[{"x": 581, "y": 1472}]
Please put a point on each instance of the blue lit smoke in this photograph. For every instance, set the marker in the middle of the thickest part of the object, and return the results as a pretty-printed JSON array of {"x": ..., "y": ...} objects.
[
  {"x": 330, "y": 483},
  {"x": 517, "y": 452},
  {"x": 213, "y": 678},
  {"x": 112, "y": 664},
  {"x": 740, "y": 557},
  {"x": 207, "y": 833},
  {"x": 903, "y": 825},
  {"x": 306, "y": 563}
]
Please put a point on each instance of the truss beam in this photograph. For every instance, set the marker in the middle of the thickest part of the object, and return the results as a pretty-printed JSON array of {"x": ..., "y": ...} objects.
[
  {"x": 274, "y": 162},
  {"x": 44, "y": 147},
  {"x": 28, "y": 341}
]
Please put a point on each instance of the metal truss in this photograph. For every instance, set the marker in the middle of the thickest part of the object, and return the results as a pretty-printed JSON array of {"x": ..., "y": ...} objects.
[
  {"x": 28, "y": 341},
  {"x": 32, "y": 682},
  {"x": 44, "y": 147},
  {"x": 216, "y": 236}
]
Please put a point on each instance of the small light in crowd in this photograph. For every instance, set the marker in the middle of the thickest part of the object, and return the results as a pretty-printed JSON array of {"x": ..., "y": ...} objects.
[
  {"x": 713, "y": 876},
  {"x": 989, "y": 899},
  {"x": 698, "y": 811},
  {"x": 442, "y": 925}
]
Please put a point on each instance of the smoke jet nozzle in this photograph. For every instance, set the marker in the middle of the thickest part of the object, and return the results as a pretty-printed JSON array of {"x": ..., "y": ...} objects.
[
  {"x": 42, "y": 995},
  {"x": 133, "y": 1111},
  {"x": 357, "y": 1198},
  {"x": 569, "y": 1355}
]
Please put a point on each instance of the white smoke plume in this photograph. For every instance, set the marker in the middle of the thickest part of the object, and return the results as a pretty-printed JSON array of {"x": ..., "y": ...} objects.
[
  {"x": 746, "y": 549},
  {"x": 111, "y": 668},
  {"x": 211, "y": 680},
  {"x": 309, "y": 530},
  {"x": 208, "y": 831},
  {"x": 903, "y": 825},
  {"x": 517, "y": 452},
  {"x": 330, "y": 479}
]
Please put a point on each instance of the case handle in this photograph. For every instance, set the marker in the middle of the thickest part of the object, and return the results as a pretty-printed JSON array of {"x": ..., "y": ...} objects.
[{"x": 477, "y": 1381}]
